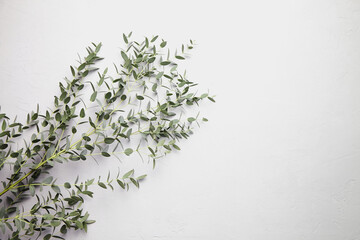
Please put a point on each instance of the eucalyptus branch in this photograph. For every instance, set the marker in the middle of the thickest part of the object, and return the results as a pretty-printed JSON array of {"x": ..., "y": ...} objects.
[{"x": 143, "y": 108}]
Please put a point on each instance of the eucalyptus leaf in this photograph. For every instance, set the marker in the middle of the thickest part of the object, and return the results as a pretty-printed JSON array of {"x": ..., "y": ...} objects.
[{"x": 128, "y": 151}]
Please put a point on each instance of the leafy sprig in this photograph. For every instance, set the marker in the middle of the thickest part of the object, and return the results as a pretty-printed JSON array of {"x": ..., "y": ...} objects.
[{"x": 142, "y": 108}]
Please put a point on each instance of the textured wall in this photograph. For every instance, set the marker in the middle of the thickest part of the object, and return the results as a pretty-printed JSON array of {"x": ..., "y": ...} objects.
[{"x": 279, "y": 158}]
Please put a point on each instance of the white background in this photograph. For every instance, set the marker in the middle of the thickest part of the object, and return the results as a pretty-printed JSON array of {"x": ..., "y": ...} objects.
[{"x": 279, "y": 158}]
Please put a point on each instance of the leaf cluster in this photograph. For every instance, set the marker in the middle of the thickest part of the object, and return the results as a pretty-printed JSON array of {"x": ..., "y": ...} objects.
[{"x": 142, "y": 108}]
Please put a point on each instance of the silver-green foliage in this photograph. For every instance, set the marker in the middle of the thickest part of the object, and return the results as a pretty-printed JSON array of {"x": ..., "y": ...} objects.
[{"x": 139, "y": 110}]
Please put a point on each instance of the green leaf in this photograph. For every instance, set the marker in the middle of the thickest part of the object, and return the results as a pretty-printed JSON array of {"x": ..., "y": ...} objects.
[
  {"x": 93, "y": 96},
  {"x": 48, "y": 217},
  {"x": 108, "y": 95},
  {"x": 152, "y": 151},
  {"x": 82, "y": 113},
  {"x": 205, "y": 119},
  {"x": 58, "y": 117},
  {"x": 154, "y": 38},
  {"x": 191, "y": 119},
  {"x": 3, "y": 146},
  {"x": 161, "y": 143},
  {"x": 55, "y": 188},
  {"x": 154, "y": 87},
  {"x": 141, "y": 177},
  {"x": 163, "y": 44},
  {"x": 121, "y": 184},
  {"x": 47, "y": 180},
  {"x": 101, "y": 81},
  {"x": 82, "y": 66},
  {"x": 164, "y": 63},
  {"x": 151, "y": 60},
  {"x": 180, "y": 57},
  {"x": 67, "y": 185},
  {"x": 67, "y": 100},
  {"x": 90, "y": 57},
  {"x": 134, "y": 182},
  {"x": 211, "y": 99},
  {"x": 204, "y": 95},
  {"x": 85, "y": 73},
  {"x": 47, "y": 236},
  {"x": 14, "y": 154},
  {"x": 90, "y": 221},
  {"x": 89, "y": 193},
  {"x": 125, "y": 39},
  {"x": 128, "y": 174},
  {"x": 124, "y": 56},
  {"x": 63, "y": 229},
  {"x": 102, "y": 185},
  {"x": 98, "y": 47},
  {"x": 55, "y": 223},
  {"x": 128, "y": 151},
  {"x": 128, "y": 133},
  {"x": 74, "y": 158},
  {"x": 176, "y": 147},
  {"x": 5, "y": 133},
  {"x": 89, "y": 147},
  {"x": 109, "y": 140},
  {"x": 34, "y": 117},
  {"x": 139, "y": 97},
  {"x": 159, "y": 75},
  {"x": 32, "y": 190},
  {"x": 79, "y": 224},
  {"x": 105, "y": 154},
  {"x": 86, "y": 138}
]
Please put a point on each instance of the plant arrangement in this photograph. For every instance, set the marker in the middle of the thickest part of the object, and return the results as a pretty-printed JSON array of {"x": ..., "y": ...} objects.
[{"x": 143, "y": 109}]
